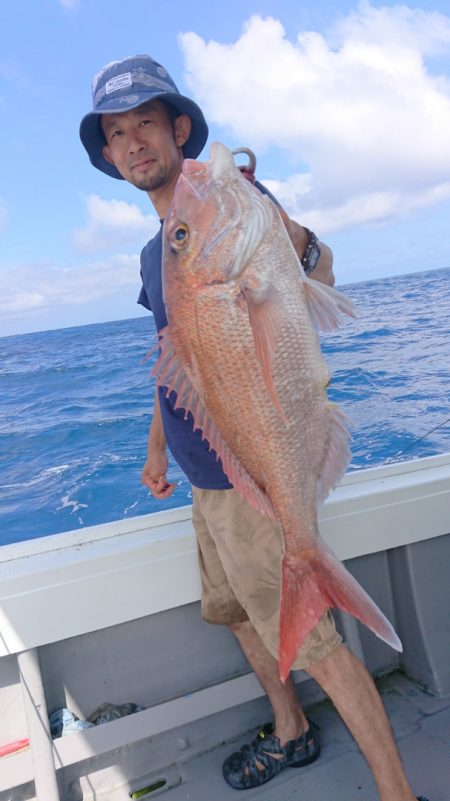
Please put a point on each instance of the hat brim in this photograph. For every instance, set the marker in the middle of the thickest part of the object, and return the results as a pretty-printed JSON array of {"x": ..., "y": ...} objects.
[{"x": 93, "y": 138}]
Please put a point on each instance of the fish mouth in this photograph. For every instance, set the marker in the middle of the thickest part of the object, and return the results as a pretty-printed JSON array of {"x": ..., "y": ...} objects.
[
  {"x": 198, "y": 179},
  {"x": 220, "y": 161},
  {"x": 221, "y": 158},
  {"x": 200, "y": 190},
  {"x": 198, "y": 175}
]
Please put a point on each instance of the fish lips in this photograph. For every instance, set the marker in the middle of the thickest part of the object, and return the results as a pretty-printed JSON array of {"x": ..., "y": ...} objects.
[{"x": 220, "y": 162}]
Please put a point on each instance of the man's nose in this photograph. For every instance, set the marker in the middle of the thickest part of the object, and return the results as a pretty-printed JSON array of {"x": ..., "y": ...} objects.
[{"x": 136, "y": 142}]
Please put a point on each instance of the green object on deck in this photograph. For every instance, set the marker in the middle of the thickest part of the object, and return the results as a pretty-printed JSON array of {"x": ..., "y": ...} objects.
[{"x": 146, "y": 790}]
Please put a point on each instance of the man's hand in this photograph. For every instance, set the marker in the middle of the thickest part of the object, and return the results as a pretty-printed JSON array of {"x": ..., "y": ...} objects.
[{"x": 154, "y": 475}]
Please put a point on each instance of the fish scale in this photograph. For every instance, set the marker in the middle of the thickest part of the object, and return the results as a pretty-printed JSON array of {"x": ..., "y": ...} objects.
[{"x": 242, "y": 353}]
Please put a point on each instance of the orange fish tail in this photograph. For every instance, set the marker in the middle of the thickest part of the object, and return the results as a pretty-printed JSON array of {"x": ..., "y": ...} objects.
[{"x": 312, "y": 585}]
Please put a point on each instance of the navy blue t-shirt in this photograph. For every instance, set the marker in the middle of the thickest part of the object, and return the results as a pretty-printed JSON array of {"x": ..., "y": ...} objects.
[{"x": 199, "y": 464}]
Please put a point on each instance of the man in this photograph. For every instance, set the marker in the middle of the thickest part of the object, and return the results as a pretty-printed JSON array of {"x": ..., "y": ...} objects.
[{"x": 140, "y": 130}]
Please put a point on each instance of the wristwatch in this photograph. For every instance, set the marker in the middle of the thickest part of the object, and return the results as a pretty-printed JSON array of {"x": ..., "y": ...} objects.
[{"x": 312, "y": 252}]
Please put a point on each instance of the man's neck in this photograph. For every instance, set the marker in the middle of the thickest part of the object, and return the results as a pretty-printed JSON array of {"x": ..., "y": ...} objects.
[{"x": 162, "y": 198}]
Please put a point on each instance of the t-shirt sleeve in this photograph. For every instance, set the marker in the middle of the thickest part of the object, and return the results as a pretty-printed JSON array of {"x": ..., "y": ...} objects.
[{"x": 143, "y": 299}]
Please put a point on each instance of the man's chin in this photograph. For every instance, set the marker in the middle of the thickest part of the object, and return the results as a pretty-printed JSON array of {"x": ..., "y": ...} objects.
[{"x": 147, "y": 184}]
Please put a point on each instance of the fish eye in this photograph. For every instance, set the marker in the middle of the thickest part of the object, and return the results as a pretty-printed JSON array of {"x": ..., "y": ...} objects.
[
  {"x": 180, "y": 236},
  {"x": 181, "y": 233}
]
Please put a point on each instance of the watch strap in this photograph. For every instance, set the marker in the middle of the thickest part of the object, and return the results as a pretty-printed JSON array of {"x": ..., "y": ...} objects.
[{"x": 312, "y": 252}]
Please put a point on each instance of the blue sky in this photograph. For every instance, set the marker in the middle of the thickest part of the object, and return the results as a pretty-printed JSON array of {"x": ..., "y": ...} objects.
[{"x": 346, "y": 105}]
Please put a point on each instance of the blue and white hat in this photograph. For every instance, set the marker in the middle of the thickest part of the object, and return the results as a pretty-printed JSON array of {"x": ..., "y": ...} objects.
[{"x": 126, "y": 84}]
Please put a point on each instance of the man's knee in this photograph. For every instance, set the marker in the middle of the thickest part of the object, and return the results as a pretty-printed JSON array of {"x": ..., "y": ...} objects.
[
  {"x": 334, "y": 662},
  {"x": 240, "y": 626},
  {"x": 341, "y": 665}
]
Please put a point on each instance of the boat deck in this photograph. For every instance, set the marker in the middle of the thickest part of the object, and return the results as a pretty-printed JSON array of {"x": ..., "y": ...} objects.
[{"x": 421, "y": 723}]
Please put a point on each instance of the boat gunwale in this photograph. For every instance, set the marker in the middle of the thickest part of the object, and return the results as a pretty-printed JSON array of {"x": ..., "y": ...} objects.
[{"x": 117, "y": 572}]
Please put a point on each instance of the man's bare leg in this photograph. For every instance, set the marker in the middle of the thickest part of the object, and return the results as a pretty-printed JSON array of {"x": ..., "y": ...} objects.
[
  {"x": 290, "y": 720},
  {"x": 352, "y": 690}
]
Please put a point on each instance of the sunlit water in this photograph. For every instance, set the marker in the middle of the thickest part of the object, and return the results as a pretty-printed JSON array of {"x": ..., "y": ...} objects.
[{"x": 76, "y": 405}]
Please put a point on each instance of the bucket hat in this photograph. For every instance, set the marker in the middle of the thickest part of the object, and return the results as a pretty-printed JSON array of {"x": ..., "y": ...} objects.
[{"x": 123, "y": 85}]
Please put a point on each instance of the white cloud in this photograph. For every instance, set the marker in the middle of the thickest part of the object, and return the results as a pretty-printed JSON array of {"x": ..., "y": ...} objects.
[
  {"x": 112, "y": 224},
  {"x": 49, "y": 286},
  {"x": 358, "y": 105},
  {"x": 364, "y": 209},
  {"x": 29, "y": 291},
  {"x": 424, "y": 31}
]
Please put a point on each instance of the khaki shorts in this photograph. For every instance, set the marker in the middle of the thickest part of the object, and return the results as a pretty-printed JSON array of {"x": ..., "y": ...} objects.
[{"x": 240, "y": 552}]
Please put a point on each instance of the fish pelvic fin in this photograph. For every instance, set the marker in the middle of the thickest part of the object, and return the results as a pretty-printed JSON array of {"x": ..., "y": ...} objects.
[
  {"x": 327, "y": 307},
  {"x": 266, "y": 313},
  {"x": 171, "y": 375},
  {"x": 312, "y": 583}
]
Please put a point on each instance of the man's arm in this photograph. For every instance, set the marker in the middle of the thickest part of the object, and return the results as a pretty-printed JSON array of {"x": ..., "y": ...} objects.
[
  {"x": 155, "y": 468},
  {"x": 324, "y": 268}
]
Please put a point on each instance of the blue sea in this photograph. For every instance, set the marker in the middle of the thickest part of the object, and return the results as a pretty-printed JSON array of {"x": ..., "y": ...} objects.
[{"x": 76, "y": 404}]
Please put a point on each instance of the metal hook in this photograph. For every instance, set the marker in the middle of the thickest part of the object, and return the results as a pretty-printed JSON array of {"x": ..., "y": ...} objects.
[{"x": 251, "y": 167}]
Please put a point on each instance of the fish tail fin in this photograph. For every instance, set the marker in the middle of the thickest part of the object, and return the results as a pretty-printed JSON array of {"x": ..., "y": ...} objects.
[{"x": 309, "y": 588}]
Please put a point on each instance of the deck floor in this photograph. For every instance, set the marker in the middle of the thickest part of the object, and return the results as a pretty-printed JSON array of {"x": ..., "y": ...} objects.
[{"x": 421, "y": 723}]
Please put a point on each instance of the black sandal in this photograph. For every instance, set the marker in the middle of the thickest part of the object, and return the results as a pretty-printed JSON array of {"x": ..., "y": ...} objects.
[{"x": 241, "y": 771}]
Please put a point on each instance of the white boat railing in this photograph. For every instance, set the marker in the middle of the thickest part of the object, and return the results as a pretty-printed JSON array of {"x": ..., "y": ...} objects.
[
  {"x": 146, "y": 564},
  {"x": 50, "y": 590}
]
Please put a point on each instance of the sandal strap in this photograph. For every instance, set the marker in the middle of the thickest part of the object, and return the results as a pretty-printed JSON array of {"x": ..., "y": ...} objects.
[
  {"x": 259, "y": 761},
  {"x": 255, "y": 763}
]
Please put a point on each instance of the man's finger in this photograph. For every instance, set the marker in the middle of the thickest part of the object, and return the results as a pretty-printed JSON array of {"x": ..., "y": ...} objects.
[
  {"x": 163, "y": 492},
  {"x": 160, "y": 488}
]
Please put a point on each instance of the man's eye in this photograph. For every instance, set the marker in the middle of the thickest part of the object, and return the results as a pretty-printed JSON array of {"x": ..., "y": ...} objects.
[{"x": 115, "y": 133}]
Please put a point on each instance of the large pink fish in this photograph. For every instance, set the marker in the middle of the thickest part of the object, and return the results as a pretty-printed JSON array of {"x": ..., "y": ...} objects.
[{"x": 242, "y": 354}]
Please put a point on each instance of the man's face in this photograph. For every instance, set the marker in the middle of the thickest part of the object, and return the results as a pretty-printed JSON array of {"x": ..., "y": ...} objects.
[{"x": 144, "y": 145}]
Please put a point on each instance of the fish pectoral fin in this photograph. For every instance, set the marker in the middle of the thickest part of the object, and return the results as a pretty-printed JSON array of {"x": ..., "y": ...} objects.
[
  {"x": 312, "y": 582},
  {"x": 267, "y": 314},
  {"x": 170, "y": 374},
  {"x": 327, "y": 306}
]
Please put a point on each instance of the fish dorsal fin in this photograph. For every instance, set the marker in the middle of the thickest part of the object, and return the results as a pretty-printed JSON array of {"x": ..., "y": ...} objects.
[
  {"x": 266, "y": 314},
  {"x": 170, "y": 374},
  {"x": 327, "y": 306},
  {"x": 337, "y": 455}
]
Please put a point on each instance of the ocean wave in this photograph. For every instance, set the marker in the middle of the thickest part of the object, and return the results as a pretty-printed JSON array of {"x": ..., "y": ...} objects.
[{"x": 76, "y": 405}]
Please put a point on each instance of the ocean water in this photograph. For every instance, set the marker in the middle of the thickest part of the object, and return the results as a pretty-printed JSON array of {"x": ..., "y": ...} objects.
[{"x": 76, "y": 404}]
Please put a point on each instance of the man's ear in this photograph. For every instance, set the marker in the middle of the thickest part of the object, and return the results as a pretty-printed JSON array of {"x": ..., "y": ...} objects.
[
  {"x": 182, "y": 129},
  {"x": 107, "y": 155}
]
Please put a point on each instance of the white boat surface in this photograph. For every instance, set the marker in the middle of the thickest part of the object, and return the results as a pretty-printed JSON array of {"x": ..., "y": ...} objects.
[{"x": 111, "y": 613}]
